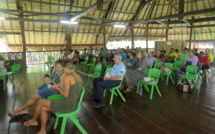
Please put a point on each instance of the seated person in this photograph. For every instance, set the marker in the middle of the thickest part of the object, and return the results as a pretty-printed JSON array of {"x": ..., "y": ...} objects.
[
  {"x": 191, "y": 60},
  {"x": 150, "y": 60},
  {"x": 121, "y": 51},
  {"x": 159, "y": 56},
  {"x": 70, "y": 87},
  {"x": 76, "y": 57},
  {"x": 133, "y": 76},
  {"x": 110, "y": 80},
  {"x": 43, "y": 91},
  {"x": 211, "y": 56},
  {"x": 84, "y": 55},
  {"x": 184, "y": 55},
  {"x": 145, "y": 53},
  {"x": 62, "y": 54},
  {"x": 204, "y": 59},
  {"x": 196, "y": 51},
  {"x": 171, "y": 57},
  {"x": 178, "y": 53},
  {"x": 130, "y": 62}
]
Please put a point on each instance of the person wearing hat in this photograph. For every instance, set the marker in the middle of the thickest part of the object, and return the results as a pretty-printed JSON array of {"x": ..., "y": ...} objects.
[{"x": 205, "y": 61}]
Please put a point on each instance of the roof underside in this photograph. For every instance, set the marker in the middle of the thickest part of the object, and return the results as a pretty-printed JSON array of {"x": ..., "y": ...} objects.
[{"x": 42, "y": 20}]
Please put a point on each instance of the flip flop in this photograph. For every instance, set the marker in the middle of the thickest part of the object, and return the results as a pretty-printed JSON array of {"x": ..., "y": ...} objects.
[
  {"x": 12, "y": 115},
  {"x": 30, "y": 123}
]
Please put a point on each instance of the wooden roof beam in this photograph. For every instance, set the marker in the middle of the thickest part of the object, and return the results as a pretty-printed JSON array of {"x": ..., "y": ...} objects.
[
  {"x": 14, "y": 33},
  {"x": 181, "y": 9},
  {"x": 90, "y": 9}
]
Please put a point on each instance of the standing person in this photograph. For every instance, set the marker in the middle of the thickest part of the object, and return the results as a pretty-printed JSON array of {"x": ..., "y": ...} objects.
[
  {"x": 70, "y": 88},
  {"x": 42, "y": 92},
  {"x": 211, "y": 57},
  {"x": 110, "y": 80},
  {"x": 133, "y": 76},
  {"x": 205, "y": 60},
  {"x": 62, "y": 54}
]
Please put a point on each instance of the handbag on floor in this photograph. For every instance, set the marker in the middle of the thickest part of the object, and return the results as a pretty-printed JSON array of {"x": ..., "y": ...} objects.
[
  {"x": 165, "y": 69},
  {"x": 186, "y": 87}
]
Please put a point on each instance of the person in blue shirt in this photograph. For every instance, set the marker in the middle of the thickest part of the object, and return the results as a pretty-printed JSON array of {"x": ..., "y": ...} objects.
[
  {"x": 122, "y": 53},
  {"x": 130, "y": 62},
  {"x": 150, "y": 60},
  {"x": 110, "y": 80}
]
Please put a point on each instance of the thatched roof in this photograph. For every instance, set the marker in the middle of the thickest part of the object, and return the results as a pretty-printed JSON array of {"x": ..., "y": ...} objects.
[{"x": 160, "y": 17}]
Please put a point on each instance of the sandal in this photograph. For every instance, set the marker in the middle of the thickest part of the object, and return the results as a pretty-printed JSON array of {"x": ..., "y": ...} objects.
[{"x": 30, "y": 123}]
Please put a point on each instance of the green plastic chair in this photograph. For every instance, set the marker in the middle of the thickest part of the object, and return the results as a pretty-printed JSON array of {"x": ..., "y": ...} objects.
[
  {"x": 56, "y": 97},
  {"x": 138, "y": 84},
  {"x": 3, "y": 77},
  {"x": 178, "y": 65},
  {"x": 191, "y": 74},
  {"x": 14, "y": 72},
  {"x": 90, "y": 66},
  {"x": 97, "y": 73},
  {"x": 157, "y": 64},
  {"x": 83, "y": 63},
  {"x": 108, "y": 69},
  {"x": 183, "y": 57},
  {"x": 169, "y": 75},
  {"x": 105, "y": 64},
  {"x": 153, "y": 73},
  {"x": 73, "y": 116},
  {"x": 49, "y": 63},
  {"x": 115, "y": 91}
]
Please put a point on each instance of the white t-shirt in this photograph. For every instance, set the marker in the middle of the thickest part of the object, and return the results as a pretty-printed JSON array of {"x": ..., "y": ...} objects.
[
  {"x": 70, "y": 56},
  {"x": 61, "y": 55}
]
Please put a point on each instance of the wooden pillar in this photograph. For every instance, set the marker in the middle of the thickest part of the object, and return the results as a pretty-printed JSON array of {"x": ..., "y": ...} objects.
[
  {"x": 132, "y": 37},
  {"x": 167, "y": 30},
  {"x": 191, "y": 34},
  {"x": 213, "y": 48},
  {"x": 22, "y": 30},
  {"x": 147, "y": 36},
  {"x": 96, "y": 44},
  {"x": 104, "y": 34},
  {"x": 68, "y": 37}
]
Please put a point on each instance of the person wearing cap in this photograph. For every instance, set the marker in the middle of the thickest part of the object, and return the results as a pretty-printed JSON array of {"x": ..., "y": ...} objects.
[{"x": 205, "y": 61}]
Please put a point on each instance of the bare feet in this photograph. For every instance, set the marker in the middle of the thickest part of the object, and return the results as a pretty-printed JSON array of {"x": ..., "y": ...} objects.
[
  {"x": 127, "y": 90},
  {"x": 31, "y": 123},
  {"x": 41, "y": 132}
]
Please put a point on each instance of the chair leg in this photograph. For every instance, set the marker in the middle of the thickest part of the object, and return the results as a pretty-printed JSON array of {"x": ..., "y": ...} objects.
[
  {"x": 158, "y": 90},
  {"x": 63, "y": 125},
  {"x": 19, "y": 77},
  {"x": 152, "y": 91},
  {"x": 120, "y": 94},
  {"x": 167, "y": 79},
  {"x": 195, "y": 83},
  {"x": 78, "y": 125},
  {"x": 111, "y": 97},
  {"x": 146, "y": 87},
  {"x": 104, "y": 93},
  {"x": 172, "y": 79},
  {"x": 56, "y": 122},
  {"x": 138, "y": 87},
  {"x": 88, "y": 79}
]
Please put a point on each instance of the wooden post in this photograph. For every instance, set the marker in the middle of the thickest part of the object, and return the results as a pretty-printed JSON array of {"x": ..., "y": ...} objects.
[
  {"x": 213, "y": 47},
  {"x": 191, "y": 34},
  {"x": 68, "y": 37},
  {"x": 167, "y": 30},
  {"x": 147, "y": 36},
  {"x": 22, "y": 30},
  {"x": 104, "y": 35},
  {"x": 132, "y": 37}
]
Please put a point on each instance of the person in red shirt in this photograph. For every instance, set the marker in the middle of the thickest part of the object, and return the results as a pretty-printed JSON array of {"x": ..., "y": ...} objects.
[{"x": 205, "y": 60}]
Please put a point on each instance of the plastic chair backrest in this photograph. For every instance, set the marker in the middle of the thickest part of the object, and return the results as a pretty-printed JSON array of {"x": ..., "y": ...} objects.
[
  {"x": 50, "y": 58},
  {"x": 98, "y": 68},
  {"x": 154, "y": 73},
  {"x": 0, "y": 73},
  {"x": 157, "y": 64},
  {"x": 104, "y": 61},
  {"x": 170, "y": 65},
  {"x": 94, "y": 60},
  {"x": 192, "y": 69},
  {"x": 86, "y": 58},
  {"x": 178, "y": 63},
  {"x": 200, "y": 65},
  {"x": 183, "y": 57},
  {"x": 80, "y": 100},
  {"x": 14, "y": 68},
  {"x": 108, "y": 69}
]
